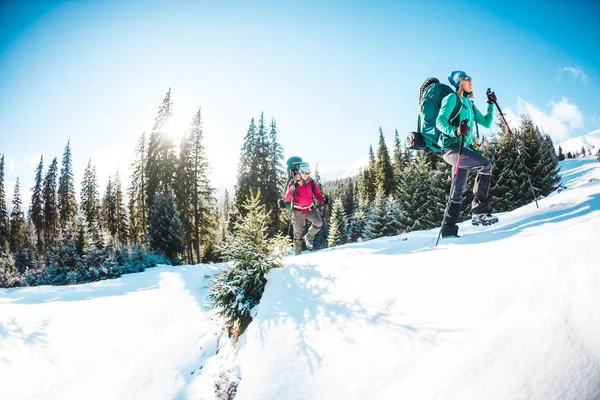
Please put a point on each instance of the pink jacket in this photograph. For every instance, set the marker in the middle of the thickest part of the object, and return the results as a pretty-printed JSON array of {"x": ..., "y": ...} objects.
[{"x": 304, "y": 195}]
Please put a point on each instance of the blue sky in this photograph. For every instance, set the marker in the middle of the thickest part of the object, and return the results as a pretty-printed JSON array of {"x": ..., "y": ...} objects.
[{"x": 330, "y": 73}]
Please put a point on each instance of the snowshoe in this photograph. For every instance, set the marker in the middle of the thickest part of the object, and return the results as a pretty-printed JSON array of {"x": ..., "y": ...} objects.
[{"x": 483, "y": 219}]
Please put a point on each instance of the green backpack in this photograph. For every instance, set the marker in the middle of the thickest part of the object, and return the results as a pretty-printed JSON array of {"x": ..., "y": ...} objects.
[{"x": 430, "y": 100}]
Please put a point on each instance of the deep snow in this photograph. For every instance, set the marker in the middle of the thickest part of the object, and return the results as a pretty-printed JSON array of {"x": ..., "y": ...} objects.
[{"x": 510, "y": 311}]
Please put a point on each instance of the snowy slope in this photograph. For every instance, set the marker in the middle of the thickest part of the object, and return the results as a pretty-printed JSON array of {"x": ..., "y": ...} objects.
[
  {"x": 510, "y": 311},
  {"x": 588, "y": 141}
]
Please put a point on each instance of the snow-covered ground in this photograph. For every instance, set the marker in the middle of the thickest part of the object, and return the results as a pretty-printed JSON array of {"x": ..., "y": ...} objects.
[
  {"x": 510, "y": 311},
  {"x": 588, "y": 141}
]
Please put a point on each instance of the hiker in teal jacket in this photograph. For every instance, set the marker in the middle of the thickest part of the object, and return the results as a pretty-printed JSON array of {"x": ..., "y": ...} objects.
[{"x": 470, "y": 159}]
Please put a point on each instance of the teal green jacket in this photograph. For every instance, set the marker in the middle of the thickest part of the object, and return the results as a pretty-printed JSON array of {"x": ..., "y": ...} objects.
[{"x": 468, "y": 111}]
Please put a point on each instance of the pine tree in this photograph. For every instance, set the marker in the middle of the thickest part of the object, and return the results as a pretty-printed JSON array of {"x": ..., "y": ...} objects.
[
  {"x": 67, "y": 202},
  {"x": 161, "y": 160},
  {"x": 377, "y": 224},
  {"x": 195, "y": 199},
  {"x": 121, "y": 234},
  {"x": 247, "y": 176},
  {"x": 4, "y": 221},
  {"x": 137, "y": 194},
  {"x": 561, "y": 156},
  {"x": 50, "y": 204},
  {"x": 165, "y": 231},
  {"x": 276, "y": 178},
  {"x": 18, "y": 232},
  {"x": 90, "y": 205},
  {"x": 239, "y": 286},
  {"x": 36, "y": 211},
  {"x": 384, "y": 171},
  {"x": 338, "y": 234}
]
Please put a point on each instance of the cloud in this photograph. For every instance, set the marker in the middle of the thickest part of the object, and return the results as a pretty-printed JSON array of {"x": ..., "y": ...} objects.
[
  {"x": 562, "y": 117},
  {"x": 575, "y": 71}
]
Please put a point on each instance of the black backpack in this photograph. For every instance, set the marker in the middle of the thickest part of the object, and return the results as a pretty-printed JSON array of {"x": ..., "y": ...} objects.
[{"x": 430, "y": 100}]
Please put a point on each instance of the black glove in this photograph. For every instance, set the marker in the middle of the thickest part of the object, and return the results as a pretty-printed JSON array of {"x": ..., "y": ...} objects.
[
  {"x": 463, "y": 129},
  {"x": 326, "y": 199},
  {"x": 281, "y": 203},
  {"x": 491, "y": 97}
]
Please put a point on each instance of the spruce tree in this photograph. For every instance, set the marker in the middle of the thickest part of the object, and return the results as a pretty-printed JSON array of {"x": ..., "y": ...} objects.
[
  {"x": 36, "y": 211},
  {"x": 90, "y": 205},
  {"x": 67, "y": 202},
  {"x": 384, "y": 171},
  {"x": 165, "y": 231},
  {"x": 247, "y": 176},
  {"x": 121, "y": 234},
  {"x": 161, "y": 160},
  {"x": 377, "y": 224},
  {"x": 250, "y": 254},
  {"x": 561, "y": 156},
  {"x": 50, "y": 204},
  {"x": 4, "y": 220},
  {"x": 276, "y": 178},
  {"x": 338, "y": 234},
  {"x": 195, "y": 196},
  {"x": 18, "y": 228},
  {"x": 137, "y": 194}
]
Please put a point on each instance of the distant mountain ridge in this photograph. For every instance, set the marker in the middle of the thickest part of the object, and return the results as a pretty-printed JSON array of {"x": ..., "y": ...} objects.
[{"x": 588, "y": 141}]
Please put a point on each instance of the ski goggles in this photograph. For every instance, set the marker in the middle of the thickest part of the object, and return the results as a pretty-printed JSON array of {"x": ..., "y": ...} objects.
[
  {"x": 465, "y": 78},
  {"x": 305, "y": 172}
]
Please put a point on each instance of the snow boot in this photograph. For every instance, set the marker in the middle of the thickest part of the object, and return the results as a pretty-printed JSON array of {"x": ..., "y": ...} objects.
[
  {"x": 483, "y": 219},
  {"x": 310, "y": 236},
  {"x": 449, "y": 231},
  {"x": 297, "y": 247}
]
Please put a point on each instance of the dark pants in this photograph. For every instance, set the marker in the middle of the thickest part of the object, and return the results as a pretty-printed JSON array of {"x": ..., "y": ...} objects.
[
  {"x": 298, "y": 221},
  {"x": 469, "y": 161}
]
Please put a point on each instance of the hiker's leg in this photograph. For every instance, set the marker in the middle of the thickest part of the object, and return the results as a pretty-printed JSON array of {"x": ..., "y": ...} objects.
[
  {"x": 298, "y": 222},
  {"x": 316, "y": 223}
]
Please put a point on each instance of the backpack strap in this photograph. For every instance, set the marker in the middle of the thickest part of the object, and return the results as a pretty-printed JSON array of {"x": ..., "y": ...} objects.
[{"x": 456, "y": 111}]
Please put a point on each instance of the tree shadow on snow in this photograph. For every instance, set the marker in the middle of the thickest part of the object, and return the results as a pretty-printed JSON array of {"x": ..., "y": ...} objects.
[
  {"x": 301, "y": 294},
  {"x": 13, "y": 335}
]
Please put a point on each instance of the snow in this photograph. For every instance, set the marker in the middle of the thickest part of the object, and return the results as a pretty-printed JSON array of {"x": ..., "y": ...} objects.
[
  {"x": 588, "y": 141},
  {"x": 509, "y": 311}
]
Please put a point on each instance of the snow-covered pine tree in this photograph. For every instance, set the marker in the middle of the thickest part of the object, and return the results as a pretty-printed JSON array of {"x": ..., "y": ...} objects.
[
  {"x": 50, "y": 204},
  {"x": 549, "y": 167},
  {"x": 338, "y": 234},
  {"x": 137, "y": 194},
  {"x": 165, "y": 231},
  {"x": 377, "y": 224},
  {"x": 250, "y": 254},
  {"x": 384, "y": 171},
  {"x": 67, "y": 202},
  {"x": 36, "y": 211},
  {"x": 357, "y": 224}
]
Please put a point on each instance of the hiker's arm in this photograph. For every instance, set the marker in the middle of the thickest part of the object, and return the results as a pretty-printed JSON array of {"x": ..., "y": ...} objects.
[
  {"x": 290, "y": 192},
  {"x": 317, "y": 193},
  {"x": 442, "y": 123},
  {"x": 489, "y": 116}
]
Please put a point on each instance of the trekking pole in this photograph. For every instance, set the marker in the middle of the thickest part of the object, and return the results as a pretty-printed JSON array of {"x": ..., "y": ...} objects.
[
  {"x": 452, "y": 188},
  {"x": 518, "y": 151}
]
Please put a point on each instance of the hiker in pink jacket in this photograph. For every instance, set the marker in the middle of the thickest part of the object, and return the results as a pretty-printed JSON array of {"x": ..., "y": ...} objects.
[{"x": 300, "y": 193}]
